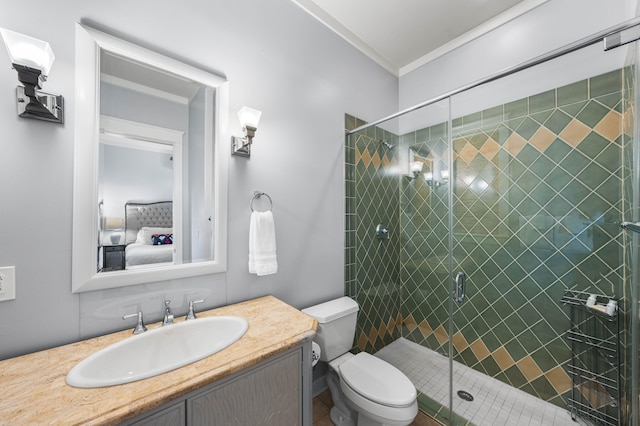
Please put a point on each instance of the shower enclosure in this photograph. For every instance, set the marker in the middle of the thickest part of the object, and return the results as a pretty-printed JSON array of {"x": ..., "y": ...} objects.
[{"x": 499, "y": 198}]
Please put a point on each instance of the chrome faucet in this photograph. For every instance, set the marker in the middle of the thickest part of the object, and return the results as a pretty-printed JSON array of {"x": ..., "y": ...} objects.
[
  {"x": 140, "y": 327},
  {"x": 192, "y": 315},
  {"x": 168, "y": 315}
]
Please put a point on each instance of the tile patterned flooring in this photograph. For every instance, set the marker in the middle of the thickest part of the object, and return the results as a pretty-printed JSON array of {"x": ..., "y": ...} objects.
[{"x": 495, "y": 403}]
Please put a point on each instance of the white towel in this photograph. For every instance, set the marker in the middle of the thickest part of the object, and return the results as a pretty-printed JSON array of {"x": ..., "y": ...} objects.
[{"x": 262, "y": 244}]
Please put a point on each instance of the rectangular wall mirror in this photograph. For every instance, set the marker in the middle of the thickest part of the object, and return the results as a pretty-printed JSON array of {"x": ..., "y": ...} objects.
[{"x": 150, "y": 187}]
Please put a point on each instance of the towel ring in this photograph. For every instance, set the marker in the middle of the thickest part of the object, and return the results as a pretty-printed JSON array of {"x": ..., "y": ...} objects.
[{"x": 258, "y": 194}]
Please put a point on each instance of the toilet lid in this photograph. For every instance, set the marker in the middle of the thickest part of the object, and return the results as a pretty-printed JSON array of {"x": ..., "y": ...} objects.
[{"x": 377, "y": 380}]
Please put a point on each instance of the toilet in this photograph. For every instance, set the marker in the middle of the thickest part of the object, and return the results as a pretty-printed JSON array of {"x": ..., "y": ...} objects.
[{"x": 366, "y": 390}]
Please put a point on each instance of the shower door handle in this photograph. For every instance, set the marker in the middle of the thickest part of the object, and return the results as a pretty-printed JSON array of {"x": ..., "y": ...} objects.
[{"x": 460, "y": 287}]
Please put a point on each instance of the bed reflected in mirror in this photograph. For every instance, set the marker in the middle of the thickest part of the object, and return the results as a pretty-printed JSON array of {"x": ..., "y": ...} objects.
[{"x": 152, "y": 146}]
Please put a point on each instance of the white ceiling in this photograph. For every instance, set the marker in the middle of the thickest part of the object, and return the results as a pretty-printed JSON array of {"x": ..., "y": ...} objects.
[{"x": 402, "y": 35}]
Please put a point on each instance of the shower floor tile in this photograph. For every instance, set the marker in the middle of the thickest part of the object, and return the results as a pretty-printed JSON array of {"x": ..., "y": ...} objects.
[{"x": 494, "y": 403}]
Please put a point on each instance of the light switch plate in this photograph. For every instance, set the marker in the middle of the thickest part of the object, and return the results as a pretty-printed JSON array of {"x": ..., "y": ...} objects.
[{"x": 7, "y": 283}]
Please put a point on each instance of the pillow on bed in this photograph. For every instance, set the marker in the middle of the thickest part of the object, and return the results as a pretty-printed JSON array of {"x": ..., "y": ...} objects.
[
  {"x": 145, "y": 233},
  {"x": 160, "y": 239}
]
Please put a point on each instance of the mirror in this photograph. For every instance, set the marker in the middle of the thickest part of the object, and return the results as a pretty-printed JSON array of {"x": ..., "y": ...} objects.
[{"x": 150, "y": 186}]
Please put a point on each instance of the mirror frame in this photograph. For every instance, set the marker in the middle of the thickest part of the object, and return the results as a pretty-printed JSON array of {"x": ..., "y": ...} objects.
[{"x": 84, "y": 277}]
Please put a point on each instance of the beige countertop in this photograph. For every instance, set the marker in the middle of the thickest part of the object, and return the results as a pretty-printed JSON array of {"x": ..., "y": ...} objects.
[{"x": 34, "y": 390}]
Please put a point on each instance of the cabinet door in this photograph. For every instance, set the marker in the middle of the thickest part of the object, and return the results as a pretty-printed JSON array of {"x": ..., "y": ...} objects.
[
  {"x": 268, "y": 395},
  {"x": 173, "y": 415}
]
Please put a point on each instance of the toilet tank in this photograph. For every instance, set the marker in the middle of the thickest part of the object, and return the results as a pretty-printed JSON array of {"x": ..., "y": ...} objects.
[{"x": 336, "y": 326}]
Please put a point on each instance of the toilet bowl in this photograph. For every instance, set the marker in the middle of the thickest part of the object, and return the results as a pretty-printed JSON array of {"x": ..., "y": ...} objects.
[
  {"x": 378, "y": 392},
  {"x": 366, "y": 391}
]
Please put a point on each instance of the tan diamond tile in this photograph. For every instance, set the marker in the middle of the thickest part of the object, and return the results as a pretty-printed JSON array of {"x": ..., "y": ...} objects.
[
  {"x": 574, "y": 133},
  {"x": 358, "y": 155},
  {"x": 375, "y": 160},
  {"x": 514, "y": 144},
  {"x": 468, "y": 153},
  {"x": 373, "y": 335},
  {"x": 529, "y": 368},
  {"x": 365, "y": 157},
  {"x": 385, "y": 161},
  {"x": 595, "y": 393},
  {"x": 610, "y": 126},
  {"x": 391, "y": 325},
  {"x": 459, "y": 342},
  {"x": 362, "y": 341},
  {"x": 502, "y": 358},
  {"x": 480, "y": 349},
  {"x": 441, "y": 335},
  {"x": 542, "y": 139},
  {"x": 382, "y": 330},
  {"x": 425, "y": 328},
  {"x": 410, "y": 323},
  {"x": 490, "y": 148},
  {"x": 559, "y": 379}
]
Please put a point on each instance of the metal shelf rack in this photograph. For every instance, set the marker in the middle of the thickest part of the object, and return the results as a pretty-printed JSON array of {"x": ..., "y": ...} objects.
[{"x": 595, "y": 360}]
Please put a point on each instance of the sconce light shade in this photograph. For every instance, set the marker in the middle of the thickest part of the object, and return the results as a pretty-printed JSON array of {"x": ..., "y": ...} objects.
[
  {"x": 249, "y": 119},
  {"x": 28, "y": 51},
  {"x": 416, "y": 167},
  {"x": 32, "y": 59}
]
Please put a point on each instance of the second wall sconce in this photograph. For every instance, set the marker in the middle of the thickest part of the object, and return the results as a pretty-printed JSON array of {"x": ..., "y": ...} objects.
[
  {"x": 32, "y": 59},
  {"x": 415, "y": 168},
  {"x": 249, "y": 119}
]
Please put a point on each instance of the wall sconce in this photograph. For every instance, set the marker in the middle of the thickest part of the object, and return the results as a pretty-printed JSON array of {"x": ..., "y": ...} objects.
[
  {"x": 32, "y": 59},
  {"x": 249, "y": 119},
  {"x": 416, "y": 168},
  {"x": 436, "y": 177}
]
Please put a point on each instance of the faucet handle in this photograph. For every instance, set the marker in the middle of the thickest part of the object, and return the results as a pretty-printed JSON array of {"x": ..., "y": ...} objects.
[
  {"x": 140, "y": 327},
  {"x": 168, "y": 314},
  {"x": 192, "y": 315}
]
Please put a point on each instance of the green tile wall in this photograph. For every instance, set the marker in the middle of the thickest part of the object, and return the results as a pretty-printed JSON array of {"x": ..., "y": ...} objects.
[
  {"x": 539, "y": 192},
  {"x": 373, "y": 266},
  {"x": 537, "y": 203}
]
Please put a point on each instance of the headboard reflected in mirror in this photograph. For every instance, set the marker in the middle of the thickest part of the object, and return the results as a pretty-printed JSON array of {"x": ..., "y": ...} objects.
[
  {"x": 149, "y": 238},
  {"x": 116, "y": 82}
]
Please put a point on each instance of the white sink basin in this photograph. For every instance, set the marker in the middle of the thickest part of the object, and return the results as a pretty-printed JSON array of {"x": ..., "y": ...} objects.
[{"x": 157, "y": 351}]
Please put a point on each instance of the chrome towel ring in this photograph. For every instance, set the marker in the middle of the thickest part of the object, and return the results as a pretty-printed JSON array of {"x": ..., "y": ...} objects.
[{"x": 258, "y": 194}]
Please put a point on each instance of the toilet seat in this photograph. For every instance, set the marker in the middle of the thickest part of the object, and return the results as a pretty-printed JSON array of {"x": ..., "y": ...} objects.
[{"x": 377, "y": 381}]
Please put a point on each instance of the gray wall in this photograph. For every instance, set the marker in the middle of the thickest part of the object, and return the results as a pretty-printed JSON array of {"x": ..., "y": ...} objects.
[
  {"x": 133, "y": 175},
  {"x": 550, "y": 26},
  {"x": 277, "y": 59}
]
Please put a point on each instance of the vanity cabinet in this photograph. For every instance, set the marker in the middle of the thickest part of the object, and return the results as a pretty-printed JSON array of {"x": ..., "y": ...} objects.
[
  {"x": 172, "y": 415},
  {"x": 276, "y": 391}
]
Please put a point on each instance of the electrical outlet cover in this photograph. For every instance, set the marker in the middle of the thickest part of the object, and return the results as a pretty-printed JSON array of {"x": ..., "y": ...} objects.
[{"x": 7, "y": 283}]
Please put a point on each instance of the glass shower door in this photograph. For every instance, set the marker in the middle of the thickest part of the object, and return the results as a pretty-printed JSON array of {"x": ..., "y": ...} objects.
[
  {"x": 425, "y": 247},
  {"x": 536, "y": 202}
]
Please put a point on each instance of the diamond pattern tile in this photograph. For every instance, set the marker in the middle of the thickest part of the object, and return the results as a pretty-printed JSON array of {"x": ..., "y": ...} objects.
[{"x": 537, "y": 188}]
